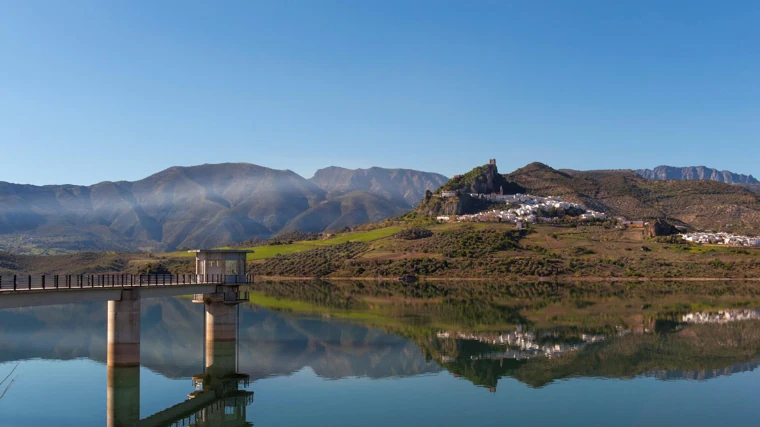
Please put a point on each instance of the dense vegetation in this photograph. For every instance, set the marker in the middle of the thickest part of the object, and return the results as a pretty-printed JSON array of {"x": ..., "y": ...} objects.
[
  {"x": 285, "y": 238},
  {"x": 413, "y": 233},
  {"x": 469, "y": 242}
]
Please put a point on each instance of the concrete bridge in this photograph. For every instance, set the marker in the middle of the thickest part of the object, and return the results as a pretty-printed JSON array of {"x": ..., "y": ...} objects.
[
  {"x": 217, "y": 399},
  {"x": 38, "y": 290}
]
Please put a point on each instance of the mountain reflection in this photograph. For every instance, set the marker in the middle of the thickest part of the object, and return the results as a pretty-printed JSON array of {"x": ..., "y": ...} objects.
[
  {"x": 688, "y": 351},
  {"x": 172, "y": 340},
  {"x": 277, "y": 341}
]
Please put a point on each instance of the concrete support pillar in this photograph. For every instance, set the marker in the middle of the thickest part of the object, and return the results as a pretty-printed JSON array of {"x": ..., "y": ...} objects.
[
  {"x": 221, "y": 339},
  {"x": 123, "y": 360},
  {"x": 124, "y": 330}
]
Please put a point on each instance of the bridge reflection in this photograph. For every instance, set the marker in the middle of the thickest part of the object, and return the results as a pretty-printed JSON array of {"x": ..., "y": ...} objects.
[{"x": 217, "y": 399}]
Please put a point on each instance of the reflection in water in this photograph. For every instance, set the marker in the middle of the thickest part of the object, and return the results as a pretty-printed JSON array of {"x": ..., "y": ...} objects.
[
  {"x": 667, "y": 352},
  {"x": 645, "y": 343},
  {"x": 522, "y": 344},
  {"x": 217, "y": 399},
  {"x": 721, "y": 316},
  {"x": 276, "y": 341}
]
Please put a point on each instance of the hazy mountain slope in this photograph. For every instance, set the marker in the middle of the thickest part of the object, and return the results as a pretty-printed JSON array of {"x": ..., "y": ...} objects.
[
  {"x": 200, "y": 206},
  {"x": 696, "y": 173},
  {"x": 403, "y": 187},
  {"x": 701, "y": 204},
  {"x": 755, "y": 188},
  {"x": 350, "y": 209}
]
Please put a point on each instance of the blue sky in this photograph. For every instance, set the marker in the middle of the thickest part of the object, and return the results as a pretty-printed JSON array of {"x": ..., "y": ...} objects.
[{"x": 109, "y": 90}]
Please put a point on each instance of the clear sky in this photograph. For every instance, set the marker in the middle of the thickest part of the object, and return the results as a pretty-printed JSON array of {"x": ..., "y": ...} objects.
[{"x": 108, "y": 90}]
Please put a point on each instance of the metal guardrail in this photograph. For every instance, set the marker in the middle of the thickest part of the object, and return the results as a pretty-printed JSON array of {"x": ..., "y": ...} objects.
[{"x": 88, "y": 281}]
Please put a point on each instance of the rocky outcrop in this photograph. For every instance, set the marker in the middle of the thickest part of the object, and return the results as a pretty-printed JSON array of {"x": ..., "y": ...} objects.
[
  {"x": 660, "y": 227},
  {"x": 694, "y": 173},
  {"x": 482, "y": 180},
  {"x": 435, "y": 206}
]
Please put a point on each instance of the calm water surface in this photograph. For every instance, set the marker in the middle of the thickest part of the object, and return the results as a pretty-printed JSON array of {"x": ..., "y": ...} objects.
[{"x": 323, "y": 361}]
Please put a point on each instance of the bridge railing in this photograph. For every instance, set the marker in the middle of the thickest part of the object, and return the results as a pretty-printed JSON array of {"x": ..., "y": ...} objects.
[{"x": 18, "y": 282}]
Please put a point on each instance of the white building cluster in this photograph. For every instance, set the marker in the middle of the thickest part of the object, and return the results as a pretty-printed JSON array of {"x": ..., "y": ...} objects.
[
  {"x": 721, "y": 239},
  {"x": 723, "y": 316},
  {"x": 521, "y": 344},
  {"x": 531, "y": 209}
]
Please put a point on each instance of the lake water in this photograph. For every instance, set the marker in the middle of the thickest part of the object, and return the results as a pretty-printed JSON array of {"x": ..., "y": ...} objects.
[{"x": 331, "y": 357}]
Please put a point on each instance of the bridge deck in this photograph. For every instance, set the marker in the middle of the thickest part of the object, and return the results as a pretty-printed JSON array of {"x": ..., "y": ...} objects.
[
  {"x": 30, "y": 282},
  {"x": 39, "y": 290}
]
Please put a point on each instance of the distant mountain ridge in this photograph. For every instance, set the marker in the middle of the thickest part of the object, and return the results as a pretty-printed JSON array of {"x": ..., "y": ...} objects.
[
  {"x": 692, "y": 173},
  {"x": 400, "y": 186},
  {"x": 205, "y": 206}
]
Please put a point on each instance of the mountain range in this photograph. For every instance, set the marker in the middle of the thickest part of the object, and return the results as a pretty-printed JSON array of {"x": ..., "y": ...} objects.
[
  {"x": 692, "y": 173},
  {"x": 214, "y": 205},
  {"x": 201, "y": 206}
]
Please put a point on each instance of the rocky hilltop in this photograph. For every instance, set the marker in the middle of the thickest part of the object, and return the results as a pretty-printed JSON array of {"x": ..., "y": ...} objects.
[
  {"x": 482, "y": 180},
  {"x": 693, "y": 173},
  {"x": 453, "y": 198},
  {"x": 700, "y": 204}
]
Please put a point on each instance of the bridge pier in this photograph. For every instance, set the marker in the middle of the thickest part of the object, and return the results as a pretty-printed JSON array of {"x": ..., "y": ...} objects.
[
  {"x": 124, "y": 329},
  {"x": 221, "y": 338},
  {"x": 123, "y": 360}
]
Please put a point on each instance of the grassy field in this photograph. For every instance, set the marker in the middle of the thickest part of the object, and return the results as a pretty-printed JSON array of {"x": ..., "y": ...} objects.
[
  {"x": 364, "y": 236},
  {"x": 265, "y": 252}
]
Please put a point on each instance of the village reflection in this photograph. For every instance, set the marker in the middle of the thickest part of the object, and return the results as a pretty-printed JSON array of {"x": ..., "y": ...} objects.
[{"x": 693, "y": 346}]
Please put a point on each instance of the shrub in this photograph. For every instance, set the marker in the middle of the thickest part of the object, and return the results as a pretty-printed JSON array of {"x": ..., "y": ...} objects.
[{"x": 413, "y": 233}]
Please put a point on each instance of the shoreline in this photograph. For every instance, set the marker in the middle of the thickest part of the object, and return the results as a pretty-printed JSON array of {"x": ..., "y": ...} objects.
[{"x": 563, "y": 279}]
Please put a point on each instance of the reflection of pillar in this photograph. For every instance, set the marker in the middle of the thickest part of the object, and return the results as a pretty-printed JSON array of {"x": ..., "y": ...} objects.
[
  {"x": 221, "y": 365},
  {"x": 123, "y": 394},
  {"x": 221, "y": 339},
  {"x": 228, "y": 412}
]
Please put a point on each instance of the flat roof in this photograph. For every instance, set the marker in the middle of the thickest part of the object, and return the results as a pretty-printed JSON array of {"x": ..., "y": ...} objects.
[{"x": 237, "y": 251}]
